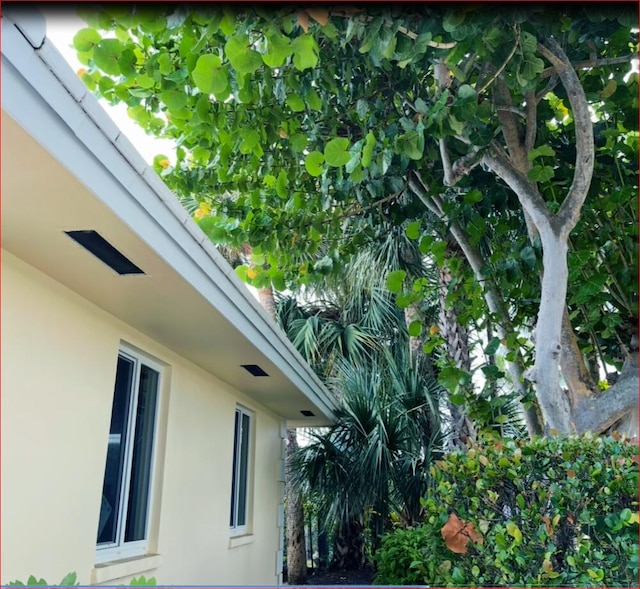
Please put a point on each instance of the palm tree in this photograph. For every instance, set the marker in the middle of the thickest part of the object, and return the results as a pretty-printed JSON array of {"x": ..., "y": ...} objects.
[{"x": 375, "y": 460}]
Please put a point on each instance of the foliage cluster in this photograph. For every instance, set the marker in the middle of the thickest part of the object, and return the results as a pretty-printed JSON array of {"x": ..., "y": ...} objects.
[
  {"x": 550, "y": 512},
  {"x": 70, "y": 580}
]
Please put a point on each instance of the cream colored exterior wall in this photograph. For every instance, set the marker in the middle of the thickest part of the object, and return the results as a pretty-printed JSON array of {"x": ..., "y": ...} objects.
[{"x": 59, "y": 355}]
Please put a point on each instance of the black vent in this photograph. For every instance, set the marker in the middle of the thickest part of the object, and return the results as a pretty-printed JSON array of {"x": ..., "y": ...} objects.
[
  {"x": 104, "y": 251},
  {"x": 307, "y": 413},
  {"x": 254, "y": 369}
]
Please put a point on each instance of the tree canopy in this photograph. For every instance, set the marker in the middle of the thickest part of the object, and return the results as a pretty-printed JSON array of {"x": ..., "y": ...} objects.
[{"x": 304, "y": 131}]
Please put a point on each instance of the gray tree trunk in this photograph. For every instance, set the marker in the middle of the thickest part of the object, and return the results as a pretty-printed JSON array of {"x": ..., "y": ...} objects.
[{"x": 296, "y": 548}]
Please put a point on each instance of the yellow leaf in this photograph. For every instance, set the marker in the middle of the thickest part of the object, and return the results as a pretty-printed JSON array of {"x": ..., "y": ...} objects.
[
  {"x": 555, "y": 520},
  {"x": 483, "y": 460},
  {"x": 635, "y": 518},
  {"x": 434, "y": 329},
  {"x": 81, "y": 72},
  {"x": 164, "y": 164},
  {"x": 553, "y": 431},
  {"x": 547, "y": 567},
  {"x": 252, "y": 273}
]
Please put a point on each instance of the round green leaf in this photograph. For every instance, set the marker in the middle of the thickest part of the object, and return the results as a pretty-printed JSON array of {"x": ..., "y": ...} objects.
[
  {"x": 206, "y": 75},
  {"x": 243, "y": 59},
  {"x": 127, "y": 63},
  {"x": 415, "y": 328},
  {"x": 313, "y": 163},
  {"x": 106, "y": 55},
  {"x": 336, "y": 152},
  {"x": 174, "y": 99},
  {"x": 295, "y": 103},
  {"x": 86, "y": 39},
  {"x": 395, "y": 280},
  {"x": 413, "y": 230}
]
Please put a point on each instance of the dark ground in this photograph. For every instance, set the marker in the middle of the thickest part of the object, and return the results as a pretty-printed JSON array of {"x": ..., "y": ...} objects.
[{"x": 357, "y": 577}]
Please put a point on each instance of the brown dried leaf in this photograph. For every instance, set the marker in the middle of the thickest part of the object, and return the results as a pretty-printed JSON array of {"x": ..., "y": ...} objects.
[
  {"x": 457, "y": 533},
  {"x": 320, "y": 15},
  {"x": 303, "y": 20}
]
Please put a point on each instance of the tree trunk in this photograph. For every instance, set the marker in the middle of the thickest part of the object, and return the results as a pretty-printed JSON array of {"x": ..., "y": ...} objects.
[
  {"x": 296, "y": 550},
  {"x": 412, "y": 313},
  {"x": 348, "y": 549},
  {"x": 457, "y": 341}
]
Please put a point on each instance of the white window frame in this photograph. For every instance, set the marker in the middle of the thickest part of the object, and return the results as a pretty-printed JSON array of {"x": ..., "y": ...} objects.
[
  {"x": 120, "y": 549},
  {"x": 240, "y": 530}
]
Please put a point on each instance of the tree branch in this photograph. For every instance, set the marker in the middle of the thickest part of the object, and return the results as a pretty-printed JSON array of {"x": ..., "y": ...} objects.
[
  {"x": 590, "y": 63},
  {"x": 531, "y": 110},
  {"x": 527, "y": 193},
  {"x": 600, "y": 413},
  {"x": 569, "y": 213},
  {"x": 460, "y": 168}
]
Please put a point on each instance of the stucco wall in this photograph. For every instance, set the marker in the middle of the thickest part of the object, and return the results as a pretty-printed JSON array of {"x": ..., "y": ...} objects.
[{"x": 59, "y": 356}]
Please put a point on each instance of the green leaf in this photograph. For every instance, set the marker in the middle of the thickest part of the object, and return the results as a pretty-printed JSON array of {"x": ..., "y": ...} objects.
[
  {"x": 336, "y": 152},
  {"x": 395, "y": 280},
  {"x": 367, "y": 150},
  {"x": 314, "y": 101},
  {"x": 282, "y": 185},
  {"x": 127, "y": 63},
  {"x": 174, "y": 99},
  {"x": 299, "y": 142},
  {"x": 106, "y": 55},
  {"x": 542, "y": 151},
  {"x": 411, "y": 144},
  {"x": 305, "y": 52},
  {"x": 69, "y": 580},
  {"x": 540, "y": 173},
  {"x": 413, "y": 230},
  {"x": 492, "y": 346},
  {"x": 415, "y": 328},
  {"x": 295, "y": 103},
  {"x": 242, "y": 58},
  {"x": 278, "y": 281},
  {"x": 208, "y": 75},
  {"x": 313, "y": 163},
  {"x": 278, "y": 49},
  {"x": 86, "y": 40},
  {"x": 465, "y": 103},
  {"x": 528, "y": 256}
]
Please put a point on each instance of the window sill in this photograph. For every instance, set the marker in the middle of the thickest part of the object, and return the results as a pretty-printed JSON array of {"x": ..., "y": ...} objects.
[
  {"x": 116, "y": 569},
  {"x": 240, "y": 540}
]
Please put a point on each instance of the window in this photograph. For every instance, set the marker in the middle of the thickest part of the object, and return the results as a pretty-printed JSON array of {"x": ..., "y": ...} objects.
[
  {"x": 126, "y": 491},
  {"x": 240, "y": 473}
]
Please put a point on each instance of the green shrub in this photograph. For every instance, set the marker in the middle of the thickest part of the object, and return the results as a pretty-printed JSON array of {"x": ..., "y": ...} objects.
[
  {"x": 551, "y": 512},
  {"x": 70, "y": 580}
]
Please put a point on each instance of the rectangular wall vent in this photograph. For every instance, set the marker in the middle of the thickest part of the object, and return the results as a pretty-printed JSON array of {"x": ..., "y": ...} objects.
[
  {"x": 254, "y": 369},
  {"x": 96, "y": 244},
  {"x": 307, "y": 413}
]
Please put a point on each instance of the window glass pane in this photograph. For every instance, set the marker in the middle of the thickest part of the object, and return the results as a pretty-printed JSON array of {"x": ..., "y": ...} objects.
[
  {"x": 243, "y": 471},
  {"x": 112, "y": 486},
  {"x": 236, "y": 436},
  {"x": 139, "y": 485}
]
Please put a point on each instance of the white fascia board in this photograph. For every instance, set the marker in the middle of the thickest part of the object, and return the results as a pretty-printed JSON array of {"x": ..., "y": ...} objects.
[{"x": 43, "y": 94}]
